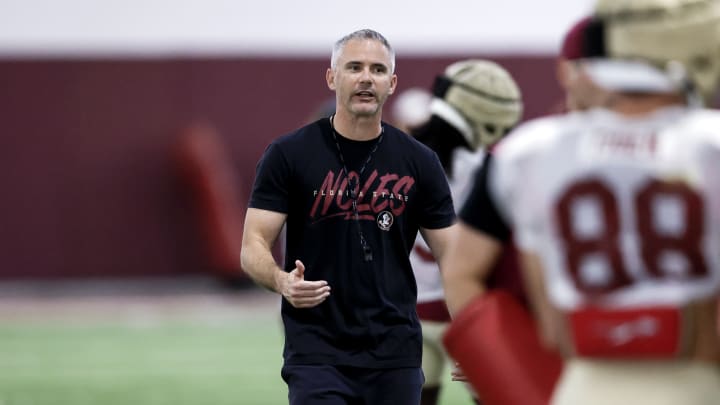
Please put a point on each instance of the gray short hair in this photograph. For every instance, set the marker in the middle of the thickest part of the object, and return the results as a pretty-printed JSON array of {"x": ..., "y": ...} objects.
[{"x": 361, "y": 34}]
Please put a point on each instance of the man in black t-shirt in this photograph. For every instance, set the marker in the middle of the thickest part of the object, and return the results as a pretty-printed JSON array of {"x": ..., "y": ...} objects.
[{"x": 353, "y": 192}]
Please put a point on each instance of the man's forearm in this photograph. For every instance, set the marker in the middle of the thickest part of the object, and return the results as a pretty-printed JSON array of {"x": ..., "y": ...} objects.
[
  {"x": 459, "y": 293},
  {"x": 260, "y": 265},
  {"x": 468, "y": 263}
]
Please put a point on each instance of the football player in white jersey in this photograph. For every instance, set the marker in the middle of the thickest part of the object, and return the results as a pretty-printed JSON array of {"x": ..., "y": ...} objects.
[
  {"x": 501, "y": 286},
  {"x": 616, "y": 212},
  {"x": 475, "y": 103}
]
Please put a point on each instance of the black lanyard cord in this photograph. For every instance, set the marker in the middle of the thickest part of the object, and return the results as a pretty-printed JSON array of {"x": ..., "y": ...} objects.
[{"x": 354, "y": 194}]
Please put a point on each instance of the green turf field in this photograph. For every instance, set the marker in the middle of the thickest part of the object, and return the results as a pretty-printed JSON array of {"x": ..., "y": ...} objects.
[{"x": 173, "y": 363}]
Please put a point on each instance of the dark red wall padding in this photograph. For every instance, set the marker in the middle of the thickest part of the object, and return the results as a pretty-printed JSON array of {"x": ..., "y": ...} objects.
[
  {"x": 217, "y": 192},
  {"x": 89, "y": 183}
]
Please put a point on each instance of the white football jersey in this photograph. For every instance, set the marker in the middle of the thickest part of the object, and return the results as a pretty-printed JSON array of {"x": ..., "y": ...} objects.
[
  {"x": 427, "y": 273},
  {"x": 621, "y": 211}
]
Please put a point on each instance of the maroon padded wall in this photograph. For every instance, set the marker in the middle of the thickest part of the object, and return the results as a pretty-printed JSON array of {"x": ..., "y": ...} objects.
[{"x": 89, "y": 186}]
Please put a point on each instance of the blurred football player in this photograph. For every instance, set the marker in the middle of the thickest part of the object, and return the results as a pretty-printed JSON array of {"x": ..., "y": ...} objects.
[
  {"x": 616, "y": 213},
  {"x": 475, "y": 103},
  {"x": 502, "y": 280},
  {"x": 580, "y": 92}
]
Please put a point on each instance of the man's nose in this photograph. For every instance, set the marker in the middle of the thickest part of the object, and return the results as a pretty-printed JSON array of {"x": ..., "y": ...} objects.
[{"x": 365, "y": 75}]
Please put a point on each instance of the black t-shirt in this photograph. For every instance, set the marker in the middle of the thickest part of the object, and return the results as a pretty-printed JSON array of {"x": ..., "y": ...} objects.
[
  {"x": 479, "y": 210},
  {"x": 369, "y": 319}
]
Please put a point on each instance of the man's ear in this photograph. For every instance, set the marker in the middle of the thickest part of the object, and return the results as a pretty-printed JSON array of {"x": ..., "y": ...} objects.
[
  {"x": 330, "y": 78},
  {"x": 393, "y": 84}
]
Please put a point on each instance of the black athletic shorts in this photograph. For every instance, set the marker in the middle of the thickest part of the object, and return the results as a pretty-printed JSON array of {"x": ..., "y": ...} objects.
[{"x": 342, "y": 385}]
